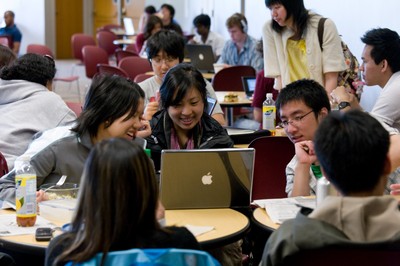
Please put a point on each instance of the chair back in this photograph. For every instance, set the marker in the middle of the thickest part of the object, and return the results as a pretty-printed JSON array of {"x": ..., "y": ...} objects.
[
  {"x": 156, "y": 257},
  {"x": 3, "y": 165},
  {"x": 135, "y": 65},
  {"x": 39, "y": 49},
  {"x": 119, "y": 54},
  {"x": 6, "y": 41},
  {"x": 93, "y": 55},
  {"x": 75, "y": 107},
  {"x": 111, "y": 70},
  {"x": 230, "y": 78},
  {"x": 272, "y": 156},
  {"x": 109, "y": 27},
  {"x": 360, "y": 254},
  {"x": 105, "y": 40},
  {"x": 131, "y": 48},
  {"x": 142, "y": 77},
  {"x": 78, "y": 41}
]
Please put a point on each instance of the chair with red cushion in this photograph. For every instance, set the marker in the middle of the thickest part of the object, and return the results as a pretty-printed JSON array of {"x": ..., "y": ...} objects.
[
  {"x": 111, "y": 70},
  {"x": 142, "y": 77},
  {"x": 76, "y": 107},
  {"x": 230, "y": 78},
  {"x": 6, "y": 41},
  {"x": 135, "y": 65},
  {"x": 93, "y": 55},
  {"x": 105, "y": 40},
  {"x": 272, "y": 156},
  {"x": 45, "y": 50},
  {"x": 3, "y": 165},
  {"x": 119, "y": 54},
  {"x": 131, "y": 48},
  {"x": 78, "y": 41}
]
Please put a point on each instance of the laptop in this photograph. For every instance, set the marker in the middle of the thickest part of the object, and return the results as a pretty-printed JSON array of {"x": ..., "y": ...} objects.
[
  {"x": 201, "y": 57},
  {"x": 128, "y": 25},
  {"x": 209, "y": 178},
  {"x": 249, "y": 85}
]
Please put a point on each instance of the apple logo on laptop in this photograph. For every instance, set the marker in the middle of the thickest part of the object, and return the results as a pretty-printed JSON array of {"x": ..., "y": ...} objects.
[
  {"x": 207, "y": 179},
  {"x": 201, "y": 57}
]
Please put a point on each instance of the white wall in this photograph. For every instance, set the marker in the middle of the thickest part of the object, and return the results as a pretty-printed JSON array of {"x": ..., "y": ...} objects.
[{"x": 30, "y": 19}]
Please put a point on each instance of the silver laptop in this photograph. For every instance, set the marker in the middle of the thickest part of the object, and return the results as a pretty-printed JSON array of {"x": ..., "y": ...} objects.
[
  {"x": 128, "y": 25},
  {"x": 201, "y": 57},
  {"x": 209, "y": 178}
]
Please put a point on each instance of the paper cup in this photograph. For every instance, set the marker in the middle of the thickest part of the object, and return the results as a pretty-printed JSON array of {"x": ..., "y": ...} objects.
[{"x": 218, "y": 67}]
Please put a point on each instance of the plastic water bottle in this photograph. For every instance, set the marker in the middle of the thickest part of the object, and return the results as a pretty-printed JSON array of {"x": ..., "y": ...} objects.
[
  {"x": 324, "y": 189},
  {"x": 25, "y": 193},
  {"x": 269, "y": 114}
]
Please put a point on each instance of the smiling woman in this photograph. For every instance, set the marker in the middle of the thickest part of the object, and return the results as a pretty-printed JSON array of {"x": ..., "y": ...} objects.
[
  {"x": 113, "y": 108},
  {"x": 183, "y": 122}
]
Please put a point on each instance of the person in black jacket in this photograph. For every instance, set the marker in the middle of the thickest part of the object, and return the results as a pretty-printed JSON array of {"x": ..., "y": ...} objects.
[{"x": 183, "y": 123}]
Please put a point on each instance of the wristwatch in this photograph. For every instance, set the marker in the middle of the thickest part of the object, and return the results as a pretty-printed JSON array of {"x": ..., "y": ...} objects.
[{"x": 343, "y": 105}]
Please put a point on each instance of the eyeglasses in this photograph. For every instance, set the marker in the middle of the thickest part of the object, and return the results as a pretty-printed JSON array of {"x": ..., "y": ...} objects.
[
  {"x": 158, "y": 61},
  {"x": 295, "y": 121}
]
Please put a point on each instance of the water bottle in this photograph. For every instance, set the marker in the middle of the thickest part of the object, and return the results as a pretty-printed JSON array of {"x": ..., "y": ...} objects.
[
  {"x": 269, "y": 114},
  {"x": 324, "y": 189},
  {"x": 25, "y": 193}
]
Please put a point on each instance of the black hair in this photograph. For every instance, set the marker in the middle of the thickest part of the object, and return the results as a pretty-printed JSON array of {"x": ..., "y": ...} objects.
[
  {"x": 152, "y": 21},
  {"x": 352, "y": 149},
  {"x": 202, "y": 19},
  {"x": 150, "y": 10},
  {"x": 7, "y": 56},
  {"x": 170, "y": 42},
  {"x": 385, "y": 46},
  {"x": 178, "y": 81},
  {"x": 306, "y": 90},
  {"x": 30, "y": 67},
  {"x": 109, "y": 98},
  {"x": 294, "y": 9},
  {"x": 170, "y": 8},
  {"x": 11, "y": 13}
]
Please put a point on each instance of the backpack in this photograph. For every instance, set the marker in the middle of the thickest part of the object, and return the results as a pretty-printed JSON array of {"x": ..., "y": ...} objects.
[{"x": 349, "y": 78}]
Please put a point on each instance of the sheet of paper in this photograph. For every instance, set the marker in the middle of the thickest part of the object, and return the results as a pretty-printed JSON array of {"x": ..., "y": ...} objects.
[
  {"x": 280, "y": 210},
  {"x": 9, "y": 227},
  {"x": 199, "y": 230}
]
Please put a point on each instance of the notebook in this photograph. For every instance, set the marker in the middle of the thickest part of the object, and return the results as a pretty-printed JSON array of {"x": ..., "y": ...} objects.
[
  {"x": 209, "y": 178},
  {"x": 128, "y": 25},
  {"x": 249, "y": 85},
  {"x": 201, "y": 57}
]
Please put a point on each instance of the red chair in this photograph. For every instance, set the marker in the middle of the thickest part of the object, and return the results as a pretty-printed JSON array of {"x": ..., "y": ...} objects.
[
  {"x": 78, "y": 41},
  {"x": 109, "y": 27},
  {"x": 6, "y": 41},
  {"x": 272, "y": 156},
  {"x": 142, "y": 77},
  {"x": 230, "y": 78},
  {"x": 119, "y": 54},
  {"x": 76, "y": 107},
  {"x": 111, "y": 70},
  {"x": 3, "y": 165},
  {"x": 105, "y": 40},
  {"x": 131, "y": 48},
  {"x": 135, "y": 65},
  {"x": 93, "y": 55},
  {"x": 45, "y": 50}
]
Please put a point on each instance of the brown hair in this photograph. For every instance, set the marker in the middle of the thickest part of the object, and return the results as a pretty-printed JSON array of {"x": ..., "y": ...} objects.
[{"x": 7, "y": 56}]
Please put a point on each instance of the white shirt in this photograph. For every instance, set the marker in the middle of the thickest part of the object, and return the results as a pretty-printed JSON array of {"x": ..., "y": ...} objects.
[{"x": 216, "y": 41}]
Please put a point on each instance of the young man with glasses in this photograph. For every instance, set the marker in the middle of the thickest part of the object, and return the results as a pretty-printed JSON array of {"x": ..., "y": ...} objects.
[
  {"x": 165, "y": 49},
  {"x": 301, "y": 106}
]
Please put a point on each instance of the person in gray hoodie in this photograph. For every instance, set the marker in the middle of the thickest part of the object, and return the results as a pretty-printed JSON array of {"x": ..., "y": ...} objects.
[{"x": 27, "y": 104}]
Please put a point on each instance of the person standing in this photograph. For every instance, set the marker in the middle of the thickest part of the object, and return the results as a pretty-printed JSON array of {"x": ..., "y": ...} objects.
[
  {"x": 11, "y": 30},
  {"x": 292, "y": 50}
]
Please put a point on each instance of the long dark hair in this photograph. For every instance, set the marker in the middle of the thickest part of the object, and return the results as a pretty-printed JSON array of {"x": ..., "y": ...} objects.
[
  {"x": 109, "y": 98},
  {"x": 294, "y": 9},
  {"x": 150, "y": 25},
  {"x": 116, "y": 203}
]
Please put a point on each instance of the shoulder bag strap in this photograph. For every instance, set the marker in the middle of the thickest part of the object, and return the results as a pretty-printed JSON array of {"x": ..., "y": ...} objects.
[{"x": 321, "y": 31}]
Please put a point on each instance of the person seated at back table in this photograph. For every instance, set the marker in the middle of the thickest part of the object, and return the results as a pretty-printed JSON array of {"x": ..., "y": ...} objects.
[
  {"x": 352, "y": 149},
  {"x": 182, "y": 123},
  {"x": 113, "y": 108},
  {"x": 27, "y": 104},
  {"x": 165, "y": 49},
  {"x": 118, "y": 185},
  {"x": 241, "y": 48},
  {"x": 167, "y": 14},
  {"x": 205, "y": 36},
  {"x": 153, "y": 25}
]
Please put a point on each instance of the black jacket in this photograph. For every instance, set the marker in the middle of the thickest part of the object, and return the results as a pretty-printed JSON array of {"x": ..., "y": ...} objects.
[{"x": 209, "y": 135}]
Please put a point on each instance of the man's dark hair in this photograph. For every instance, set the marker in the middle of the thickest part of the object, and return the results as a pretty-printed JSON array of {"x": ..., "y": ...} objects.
[
  {"x": 170, "y": 42},
  {"x": 170, "y": 8},
  {"x": 306, "y": 90},
  {"x": 30, "y": 67},
  {"x": 352, "y": 149},
  {"x": 150, "y": 10},
  {"x": 385, "y": 46},
  {"x": 202, "y": 19}
]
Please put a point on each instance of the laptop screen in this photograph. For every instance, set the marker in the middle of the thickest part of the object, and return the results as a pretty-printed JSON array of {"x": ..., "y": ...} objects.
[
  {"x": 128, "y": 25},
  {"x": 201, "y": 57},
  {"x": 249, "y": 85},
  {"x": 206, "y": 178}
]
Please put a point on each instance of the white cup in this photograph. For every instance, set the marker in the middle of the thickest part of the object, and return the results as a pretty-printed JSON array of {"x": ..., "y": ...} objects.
[{"x": 218, "y": 67}]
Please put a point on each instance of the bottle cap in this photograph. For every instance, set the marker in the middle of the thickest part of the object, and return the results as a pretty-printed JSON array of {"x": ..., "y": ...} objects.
[
  {"x": 269, "y": 95},
  {"x": 148, "y": 152}
]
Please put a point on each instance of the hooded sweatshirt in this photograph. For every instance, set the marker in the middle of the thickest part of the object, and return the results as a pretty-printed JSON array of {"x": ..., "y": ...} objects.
[{"x": 27, "y": 108}]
